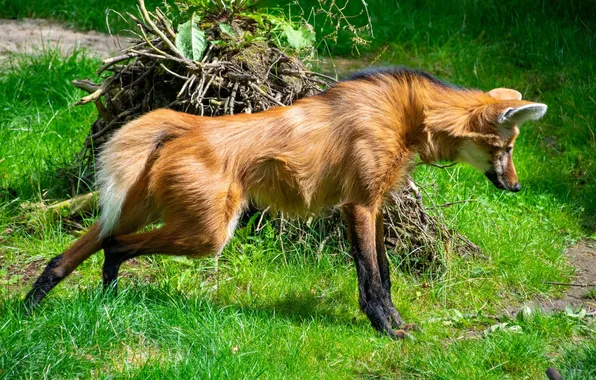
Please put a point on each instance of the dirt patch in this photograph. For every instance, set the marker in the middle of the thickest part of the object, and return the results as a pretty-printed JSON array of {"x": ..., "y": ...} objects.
[
  {"x": 19, "y": 274},
  {"x": 32, "y": 36},
  {"x": 583, "y": 257},
  {"x": 582, "y": 289}
]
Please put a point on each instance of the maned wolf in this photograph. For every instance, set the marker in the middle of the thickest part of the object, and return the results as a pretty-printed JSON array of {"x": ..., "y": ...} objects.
[{"x": 347, "y": 146}]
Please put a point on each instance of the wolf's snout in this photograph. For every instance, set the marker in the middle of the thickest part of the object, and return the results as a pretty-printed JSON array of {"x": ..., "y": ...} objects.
[
  {"x": 494, "y": 178},
  {"x": 500, "y": 183}
]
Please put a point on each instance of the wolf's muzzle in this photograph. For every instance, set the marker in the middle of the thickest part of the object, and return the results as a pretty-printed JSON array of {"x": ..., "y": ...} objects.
[{"x": 494, "y": 178}]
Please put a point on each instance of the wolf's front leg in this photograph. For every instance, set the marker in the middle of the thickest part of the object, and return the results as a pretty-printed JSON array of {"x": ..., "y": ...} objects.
[
  {"x": 375, "y": 299},
  {"x": 383, "y": 264}
]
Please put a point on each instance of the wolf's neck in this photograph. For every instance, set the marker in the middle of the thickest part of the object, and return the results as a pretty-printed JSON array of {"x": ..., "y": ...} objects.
[{"x": 446, "y": 114}]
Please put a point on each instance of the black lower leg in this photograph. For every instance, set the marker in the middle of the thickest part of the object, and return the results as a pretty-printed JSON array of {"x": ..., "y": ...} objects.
[
  {"x": 383, "y": 264},
  {"x": 121, "y": 248},
  {"x": 49, "y": 278},
  {"x": 110, "y": 273},
  {"x": 114, "y": 256},
  {"x": 371, "y": 299},
  {"x": 396, "y": 320}
]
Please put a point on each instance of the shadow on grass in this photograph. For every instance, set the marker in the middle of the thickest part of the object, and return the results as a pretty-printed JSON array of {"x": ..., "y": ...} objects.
[
  {"x": 300, "y": 308},
  {"x": 295, "y": 308}
]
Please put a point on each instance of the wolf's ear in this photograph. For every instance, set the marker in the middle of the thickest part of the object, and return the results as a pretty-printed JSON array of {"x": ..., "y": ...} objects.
[
  {"x": 519, "y": 115},
  {"x": 505, "y": 94}
]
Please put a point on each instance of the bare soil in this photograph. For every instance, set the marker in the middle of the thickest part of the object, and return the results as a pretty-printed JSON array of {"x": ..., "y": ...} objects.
[
  {"x": 581, "y": 290},
  {"x": 32, "y": 36},
  {"x": 583, "y": 257}
]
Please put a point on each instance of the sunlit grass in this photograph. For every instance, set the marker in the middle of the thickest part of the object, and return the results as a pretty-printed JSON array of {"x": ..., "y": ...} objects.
[
  {"x": 283, "y": 310},
  {"x": 40, "y": 128},
  {"x": 84, "y": 15}
]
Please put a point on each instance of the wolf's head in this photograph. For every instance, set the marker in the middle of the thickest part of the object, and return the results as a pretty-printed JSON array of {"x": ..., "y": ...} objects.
[
  {"x": 491, "y": 149},
  {"x": 482, "y": 128}
]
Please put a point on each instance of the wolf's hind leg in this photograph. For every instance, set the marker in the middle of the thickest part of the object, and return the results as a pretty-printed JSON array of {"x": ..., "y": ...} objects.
[
  {"x": 200, "y": 229},
  {"x": 62, "y": 265},
  {"x": 166, "y": 240}
]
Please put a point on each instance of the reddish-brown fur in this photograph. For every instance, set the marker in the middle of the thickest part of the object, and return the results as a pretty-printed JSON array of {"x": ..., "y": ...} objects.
[{"x": 348, "y": 146}]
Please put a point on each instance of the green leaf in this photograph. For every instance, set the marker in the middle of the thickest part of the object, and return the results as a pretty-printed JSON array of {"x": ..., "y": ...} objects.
[
  {"x": 298, "y": 38},
  {"x": 580, "y": 314},
  {"x": 524, "y": 314},
  {"x": 191, "y": 40},
  {"x": 227, "y": 29},
  {"x": 12, "y": 280}
]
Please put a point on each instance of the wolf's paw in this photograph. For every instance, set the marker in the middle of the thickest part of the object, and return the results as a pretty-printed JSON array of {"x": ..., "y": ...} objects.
[
  {"x": 409, "y": 327},
  {"x": 402, "y": 334}
]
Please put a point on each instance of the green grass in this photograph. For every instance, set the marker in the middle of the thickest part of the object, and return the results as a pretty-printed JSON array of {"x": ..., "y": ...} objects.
[
  {"x": 158, "y": 331},
  {"x": 84, "y": 15},
  {"x": 278, "y": 310},
  {"x": 41, "y": 129}
]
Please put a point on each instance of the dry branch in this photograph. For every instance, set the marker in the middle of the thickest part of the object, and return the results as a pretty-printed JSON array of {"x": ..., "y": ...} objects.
[
  {"x": 230, "y": 79},
  {"x": 68, "y": 208}
]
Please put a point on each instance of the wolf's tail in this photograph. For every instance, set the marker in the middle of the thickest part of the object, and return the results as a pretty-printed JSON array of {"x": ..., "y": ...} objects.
[
  {"x": 125, "y": 158},
  {"x": 121, "y": 165}
]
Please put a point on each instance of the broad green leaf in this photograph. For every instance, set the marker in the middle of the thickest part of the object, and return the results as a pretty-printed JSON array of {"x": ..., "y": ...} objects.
[
  {"x": 503, "y": 327},
  {"x": 525, "y": 313},
  {"x": 191, "y": 40},
  {"x": 227, "y": 29},
  {"x": 298, "y": 38},
  {"x": 580, "y": 314}
]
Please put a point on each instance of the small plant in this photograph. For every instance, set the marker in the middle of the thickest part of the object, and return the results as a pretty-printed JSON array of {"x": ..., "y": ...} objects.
[
  {"x": 590, "y": 294},
  {"x": 238, "y": 23},
  {"x": 217, "y": 9}
]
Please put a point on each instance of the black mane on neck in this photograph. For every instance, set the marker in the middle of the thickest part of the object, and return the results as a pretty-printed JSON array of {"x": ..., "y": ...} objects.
[{"x": 400, "y": 72}]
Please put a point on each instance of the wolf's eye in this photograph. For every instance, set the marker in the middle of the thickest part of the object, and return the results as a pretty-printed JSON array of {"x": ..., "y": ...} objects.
[{"x": 508, "y": 149}]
